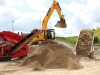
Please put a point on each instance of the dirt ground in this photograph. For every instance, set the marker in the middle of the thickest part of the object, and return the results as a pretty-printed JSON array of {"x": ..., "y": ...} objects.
[{"x": 90, "y": 67}]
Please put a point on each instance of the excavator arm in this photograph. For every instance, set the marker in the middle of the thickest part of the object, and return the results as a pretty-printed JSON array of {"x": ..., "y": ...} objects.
[
  {"x": 60, "y": 24},
  {"x": 54, "y": 6}
]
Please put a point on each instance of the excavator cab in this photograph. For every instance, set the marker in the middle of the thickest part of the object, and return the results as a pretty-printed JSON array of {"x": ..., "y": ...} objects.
[
  {"x": 50, "y": 34},
  {"x": 61, "y": 23}
]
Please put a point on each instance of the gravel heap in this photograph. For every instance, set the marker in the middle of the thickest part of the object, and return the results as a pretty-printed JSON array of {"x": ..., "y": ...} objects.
[{"x": 51, "y": 56}]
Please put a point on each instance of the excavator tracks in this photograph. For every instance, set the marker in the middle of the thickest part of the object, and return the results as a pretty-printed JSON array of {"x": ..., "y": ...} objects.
[{"x": 84, "y": 46}]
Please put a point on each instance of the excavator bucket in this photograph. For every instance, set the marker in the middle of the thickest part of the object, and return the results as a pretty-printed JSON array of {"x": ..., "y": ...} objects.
[{"x": 61, "y": 24}]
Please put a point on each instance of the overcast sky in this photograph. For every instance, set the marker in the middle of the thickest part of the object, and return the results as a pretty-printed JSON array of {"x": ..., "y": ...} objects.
[{"x": 28, "y": 15}]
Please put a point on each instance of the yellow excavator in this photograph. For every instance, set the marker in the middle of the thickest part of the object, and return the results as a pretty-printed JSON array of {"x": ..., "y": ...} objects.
[{"x": 50, "y": 33}]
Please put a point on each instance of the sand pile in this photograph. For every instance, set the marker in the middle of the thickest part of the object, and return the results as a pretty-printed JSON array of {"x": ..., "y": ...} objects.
[
  {"x": 52, "y": 56},
  {"x": 85, "y": 43},
  {"x": 33, "y": 49}
]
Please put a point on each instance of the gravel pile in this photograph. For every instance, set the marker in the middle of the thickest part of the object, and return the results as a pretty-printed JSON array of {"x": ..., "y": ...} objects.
[{"x": 51, "y": 56}]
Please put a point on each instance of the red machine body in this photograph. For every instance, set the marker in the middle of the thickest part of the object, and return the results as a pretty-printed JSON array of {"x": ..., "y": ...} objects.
[{"x": 13, "y": 45}]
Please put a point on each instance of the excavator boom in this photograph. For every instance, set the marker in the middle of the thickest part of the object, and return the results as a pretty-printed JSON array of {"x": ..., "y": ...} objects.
[{"x": 60, "y": 24}]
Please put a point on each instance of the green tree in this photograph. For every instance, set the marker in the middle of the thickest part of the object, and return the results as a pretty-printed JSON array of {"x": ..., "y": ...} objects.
[{"x": 96, "y": 40}]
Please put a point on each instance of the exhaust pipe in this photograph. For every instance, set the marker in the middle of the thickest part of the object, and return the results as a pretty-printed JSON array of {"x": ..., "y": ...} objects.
[{"x": 61, "y": 23}]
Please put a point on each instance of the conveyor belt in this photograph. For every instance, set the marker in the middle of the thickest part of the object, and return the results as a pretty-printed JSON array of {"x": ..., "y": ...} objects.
[{"x": 25, "y": 40}]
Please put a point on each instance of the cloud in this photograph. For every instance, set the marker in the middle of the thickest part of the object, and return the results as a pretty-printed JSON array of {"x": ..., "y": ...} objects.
[
  {"x": 82, "y": 0},
  {"x": 85, "y": 15},
  {"x": 14, "y": 2},
  {"x": 37, "y": 5},
  {"x": 2, "y": 2},
  {"x": 22, "y": 21},
  {"x": 6, "y": 17},
  {"x": 93, "y": 7}
]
